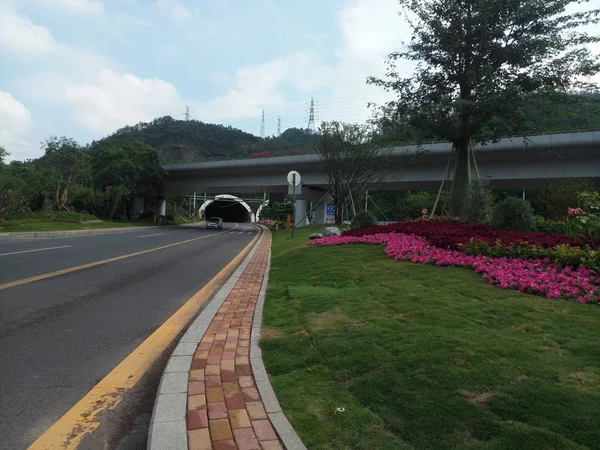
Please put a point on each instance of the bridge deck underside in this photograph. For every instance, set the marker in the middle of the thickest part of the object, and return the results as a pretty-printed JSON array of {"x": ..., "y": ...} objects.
[{"x": 530, "y": 168}]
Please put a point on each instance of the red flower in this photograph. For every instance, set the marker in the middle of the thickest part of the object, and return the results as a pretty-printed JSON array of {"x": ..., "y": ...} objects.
[{"x": 450, "y": 234}]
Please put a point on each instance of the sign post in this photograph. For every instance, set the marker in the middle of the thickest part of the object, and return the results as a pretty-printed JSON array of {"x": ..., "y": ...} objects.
[
  {"x": 294, "y": 179},
  {"x": 195, "y": 213}
]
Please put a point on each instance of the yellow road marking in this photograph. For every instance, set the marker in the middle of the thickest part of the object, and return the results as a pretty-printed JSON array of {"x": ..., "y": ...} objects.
[
  {"x": 85, "y": 416},
  {"x": 45, "y": 276}
]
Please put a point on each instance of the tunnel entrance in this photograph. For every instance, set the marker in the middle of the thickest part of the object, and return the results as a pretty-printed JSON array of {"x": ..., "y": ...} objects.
[{"x": 228, "y": 210}]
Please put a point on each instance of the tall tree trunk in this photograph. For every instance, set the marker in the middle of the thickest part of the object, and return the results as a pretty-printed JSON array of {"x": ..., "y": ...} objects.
[
  {"x": 338, "y": 203},
  {"x": 57, "y": 197},
  {"x": 462, "y": 176},
  {"x": 64, "y": 196}
]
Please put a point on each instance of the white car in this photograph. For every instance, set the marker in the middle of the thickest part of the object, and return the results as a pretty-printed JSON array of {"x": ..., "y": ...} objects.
[{"x": 215, "y": 222}]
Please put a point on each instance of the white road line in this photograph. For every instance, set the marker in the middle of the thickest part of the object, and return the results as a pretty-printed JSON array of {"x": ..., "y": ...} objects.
[
  {"x": 35, "y": 250},
  {"x": 150, "y": 235}
]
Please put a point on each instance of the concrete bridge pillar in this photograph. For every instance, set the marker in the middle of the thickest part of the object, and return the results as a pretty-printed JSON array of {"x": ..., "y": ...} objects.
[
  {"x": 161, "y": 206},
  {"x": 300, "y": 220},
  {"x": 321, "y": 213}
]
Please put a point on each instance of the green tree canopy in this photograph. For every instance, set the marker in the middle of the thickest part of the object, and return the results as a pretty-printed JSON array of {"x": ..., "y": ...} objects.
[
  {"x": 68, "y": 160},
  {"x": 192, "y": 140},
  {"x": 480, "y": 63},
  {"x": 3, "y": 155}
]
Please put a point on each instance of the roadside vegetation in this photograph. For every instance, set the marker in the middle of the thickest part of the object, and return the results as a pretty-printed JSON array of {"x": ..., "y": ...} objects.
[
  {"x": 420, "y": 356},
  {"x": 61, "y": 221}
]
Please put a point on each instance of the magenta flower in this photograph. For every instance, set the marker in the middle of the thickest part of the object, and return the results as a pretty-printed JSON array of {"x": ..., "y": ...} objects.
[
  {"x": 539, "y": 277},
  {"x": 574, "y": 211}
]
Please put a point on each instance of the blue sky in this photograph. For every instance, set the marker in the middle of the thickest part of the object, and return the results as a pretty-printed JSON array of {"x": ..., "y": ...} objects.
[{"x": 84, "y": 68}]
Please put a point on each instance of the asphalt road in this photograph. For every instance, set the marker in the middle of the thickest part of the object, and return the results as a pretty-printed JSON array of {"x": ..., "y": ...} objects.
[{"x": 60, "y": 336}]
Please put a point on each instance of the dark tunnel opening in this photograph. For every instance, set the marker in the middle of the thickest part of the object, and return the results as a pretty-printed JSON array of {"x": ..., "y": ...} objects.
[{"x": 229, "y": 211}]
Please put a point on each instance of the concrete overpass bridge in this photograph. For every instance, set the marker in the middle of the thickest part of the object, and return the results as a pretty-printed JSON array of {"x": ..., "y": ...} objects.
[{"x": 516, "y": 163}]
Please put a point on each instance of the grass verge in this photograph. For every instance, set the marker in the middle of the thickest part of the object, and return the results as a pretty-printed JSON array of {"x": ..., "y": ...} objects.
[
  {"x": 14, "y": 226},
  {"x": 424, "y": 357}
]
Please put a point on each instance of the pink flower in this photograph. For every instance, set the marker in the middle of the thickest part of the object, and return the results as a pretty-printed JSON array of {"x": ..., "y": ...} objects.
[
  {"x": 539, "y": 277},
  {"x": 575, "y": 211}
]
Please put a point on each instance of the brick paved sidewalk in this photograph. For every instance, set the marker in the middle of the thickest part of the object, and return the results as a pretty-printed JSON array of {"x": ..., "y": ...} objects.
[{"x": 225, "y": 410}]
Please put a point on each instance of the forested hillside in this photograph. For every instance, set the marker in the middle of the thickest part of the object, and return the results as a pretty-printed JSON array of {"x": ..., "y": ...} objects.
[{"x": 191, "y": 140}]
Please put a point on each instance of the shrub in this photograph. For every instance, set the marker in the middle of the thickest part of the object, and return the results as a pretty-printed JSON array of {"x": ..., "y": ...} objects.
[
  {"x": 550, "y": 226},
  {"x": 553, "y": 200},
  {"x": 585, "y": 221},
  {"x": 364, "y": 219},
  {"x": 415, "y": 202},
  {"x": 50, "y": 216},
  {"x": 478, "y": 201},
  {"x": 276, "y": 211},
  {"x": 10, "y": 202},
  {"x": 564, "y": 254},
  {"x": 450, "y": 234},
  {"x": 513, "y": 213}
]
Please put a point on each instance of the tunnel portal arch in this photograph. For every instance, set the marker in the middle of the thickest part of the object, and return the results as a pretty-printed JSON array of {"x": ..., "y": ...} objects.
[
  {"x": 260, "y": 208},
  {"x": 230, "y": 198}
]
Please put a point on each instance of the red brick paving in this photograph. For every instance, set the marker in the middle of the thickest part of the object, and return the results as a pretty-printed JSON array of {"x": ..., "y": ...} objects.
[{"x": 225, "y": 410}]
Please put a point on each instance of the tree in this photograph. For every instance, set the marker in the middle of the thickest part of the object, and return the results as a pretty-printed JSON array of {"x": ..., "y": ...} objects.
[
  {"x": 68, "y": 159},
  {"x": 352, "y": 160},
  {"x": 33, "y": 180},
  {"x": 480, "y": 62},
  {"x": 3, "y": 155},
  {"x": 277, "y": 211},
  {"x": 191, "y": 140},
  {"x": 10, "y": 201},
  {"x": 554, "y": 199},
  {"x": 119, "y": 172}
]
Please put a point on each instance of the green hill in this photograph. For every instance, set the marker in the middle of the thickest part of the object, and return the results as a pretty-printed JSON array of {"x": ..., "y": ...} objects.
[{"x": 193, "y": 141}]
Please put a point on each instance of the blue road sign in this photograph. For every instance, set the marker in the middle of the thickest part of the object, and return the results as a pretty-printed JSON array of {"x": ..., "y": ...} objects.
[{"x": 331, "y": 210}]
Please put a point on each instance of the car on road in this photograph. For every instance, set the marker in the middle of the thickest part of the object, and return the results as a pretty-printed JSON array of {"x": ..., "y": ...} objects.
[{"x": 215, "y": 222}]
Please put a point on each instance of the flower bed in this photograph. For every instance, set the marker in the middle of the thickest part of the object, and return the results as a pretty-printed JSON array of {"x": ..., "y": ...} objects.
[
  {"x": 451, "y": 234},
  {"x": 564, "y": 254},
  {"x": 537, "y": 276}
]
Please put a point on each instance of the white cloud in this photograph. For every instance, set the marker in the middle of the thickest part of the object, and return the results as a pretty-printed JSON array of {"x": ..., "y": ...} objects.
[
  {"x": 15, "y": 121},
  {"x": 21, "y": 36},
  {"x": 175, "y": 9},
  {"x": 127, "y": 20},
  {"x": 78, "y": 6},
  {"x": 70, "y": 66},
  {"x": 13, "y": 114},
  {"x": 370, "y": 30},
  {"x": 257, "y": 87},
  {"x": 118, "y": 99}
]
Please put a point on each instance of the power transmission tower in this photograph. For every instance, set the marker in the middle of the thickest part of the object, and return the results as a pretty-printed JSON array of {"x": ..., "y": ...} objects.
[
  {"x": 311, "y": 116},
  {"x": 278, "y": 126},
  {"x": 262, "y": 125},
  {"x": 187, "y": 113}
]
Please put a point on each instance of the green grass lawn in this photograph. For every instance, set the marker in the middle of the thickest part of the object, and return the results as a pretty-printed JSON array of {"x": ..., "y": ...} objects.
[{"x": 424, "y": 357}]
